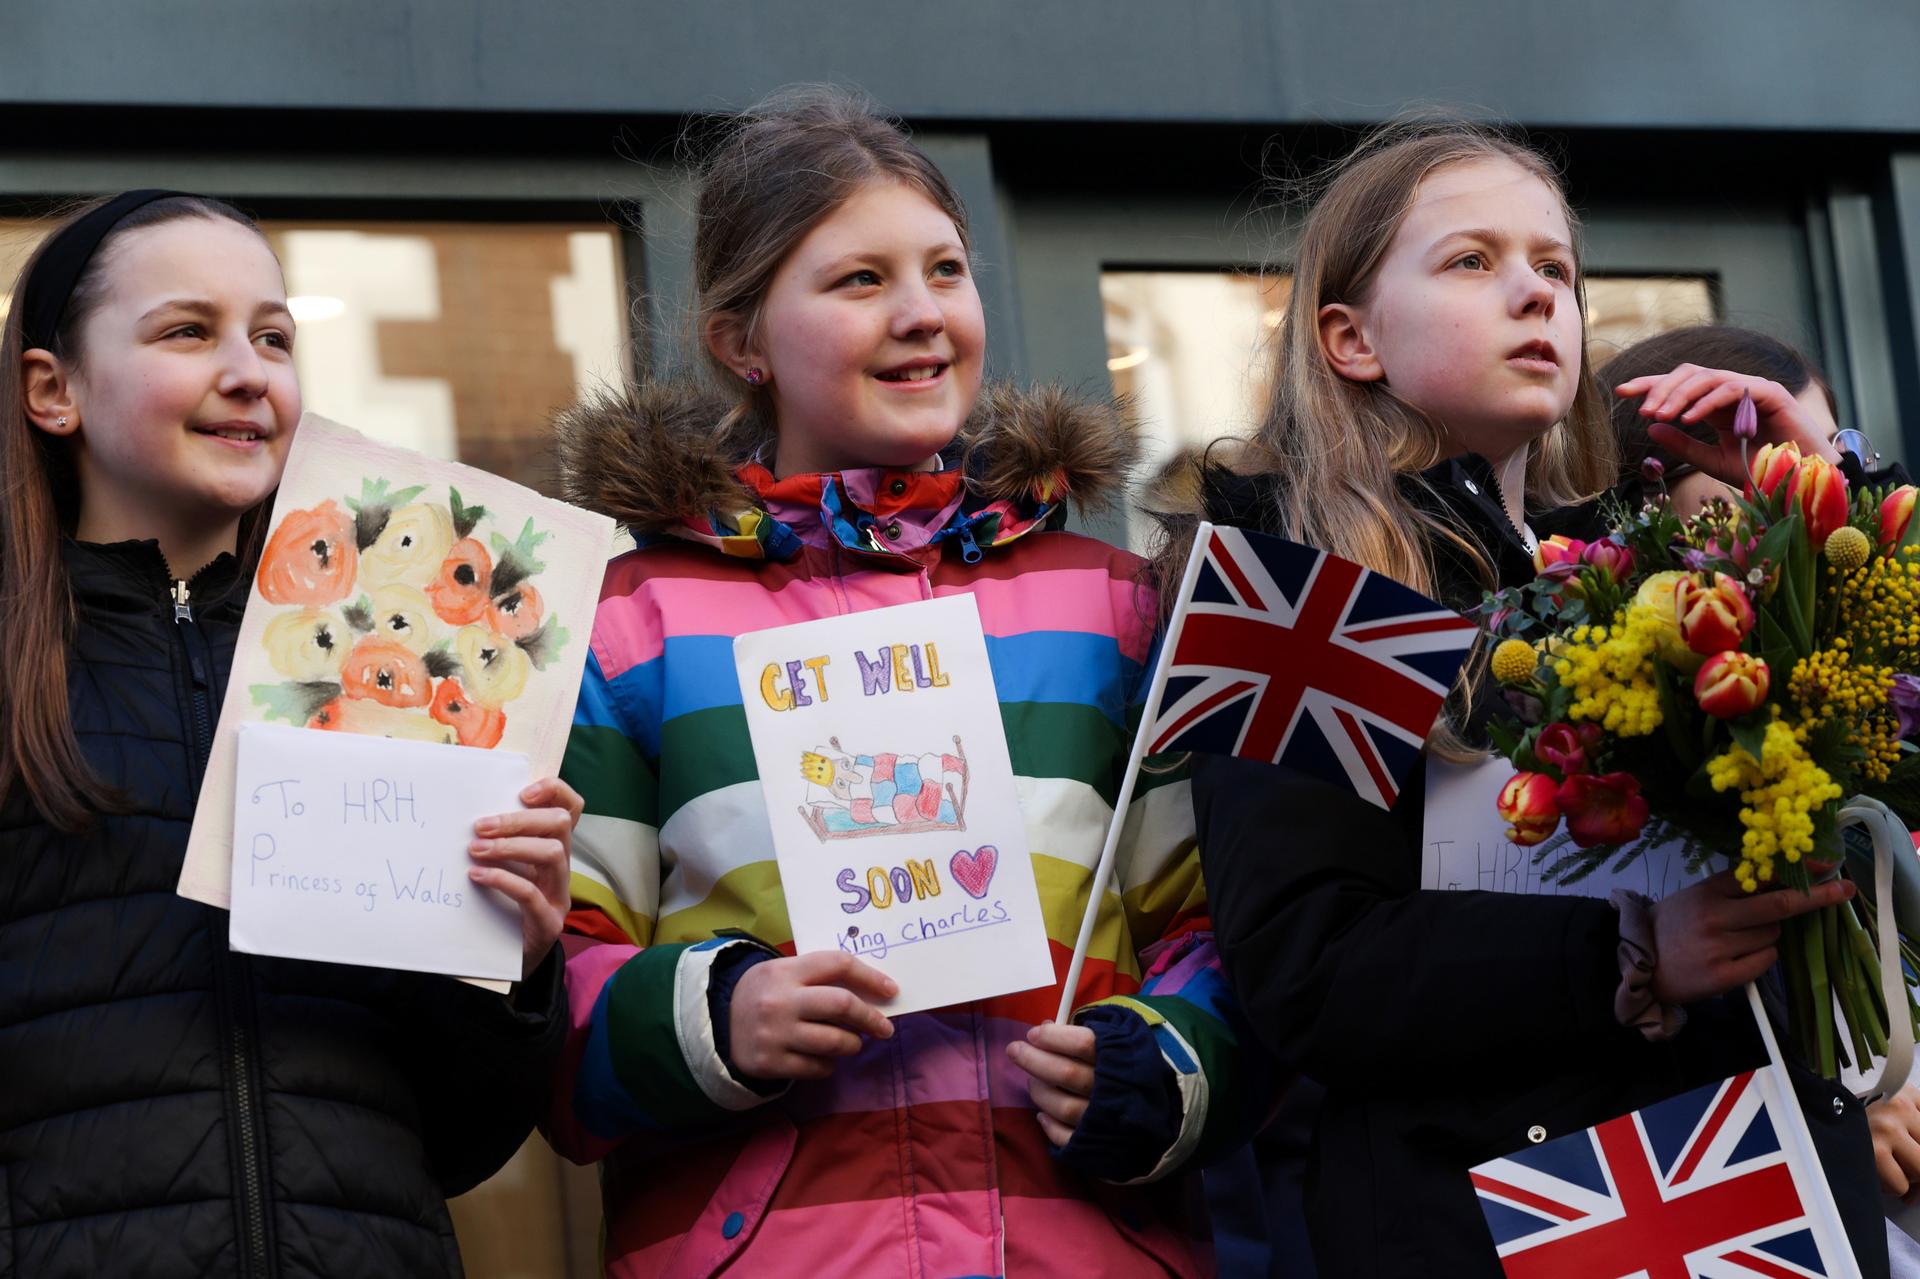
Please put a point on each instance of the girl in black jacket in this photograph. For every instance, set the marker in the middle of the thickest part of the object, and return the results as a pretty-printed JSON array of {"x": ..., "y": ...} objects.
[
  {"x": 169, "y": 1108},
  {"x": 1430, "y": 392}
]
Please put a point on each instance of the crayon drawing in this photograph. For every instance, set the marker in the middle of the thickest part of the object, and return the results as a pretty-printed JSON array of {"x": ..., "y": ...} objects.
[{"x": 884, "y": 793}]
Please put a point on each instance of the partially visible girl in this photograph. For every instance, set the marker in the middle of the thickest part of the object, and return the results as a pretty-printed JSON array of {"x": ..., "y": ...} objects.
[
  {"x": 1667, "y": 389},
  {"x": 1431, "y": 418},
  {"x": 170, "y": 1109},
  {"x": 1676, "y": 379},
  {"x": 756, "y": 1110}
]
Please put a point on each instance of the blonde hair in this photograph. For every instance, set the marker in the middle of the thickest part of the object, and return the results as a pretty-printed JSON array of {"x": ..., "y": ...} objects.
[
  {"x": 1340, "y": 449},
  {"x": 768, "y": 176}
]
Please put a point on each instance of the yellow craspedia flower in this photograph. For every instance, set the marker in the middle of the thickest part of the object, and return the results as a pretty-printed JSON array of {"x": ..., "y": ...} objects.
[
  {"x": 1847, "y": 547},
  {"x": 1513, "y": 661}
]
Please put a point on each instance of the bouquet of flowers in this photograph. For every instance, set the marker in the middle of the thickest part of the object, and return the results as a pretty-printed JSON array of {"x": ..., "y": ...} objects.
[{"x": 1726, "y": 680}]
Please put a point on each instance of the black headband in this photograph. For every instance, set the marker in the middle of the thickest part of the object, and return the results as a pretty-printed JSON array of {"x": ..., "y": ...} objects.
[{"x": 50, "y": 286}]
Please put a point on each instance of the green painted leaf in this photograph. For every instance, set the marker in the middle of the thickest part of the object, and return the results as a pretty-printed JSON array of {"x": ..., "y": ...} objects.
[
  {"x": 296, "y": 703},
  {"x": 465, "y": 517},
  {"x": 544, "y": 645}
]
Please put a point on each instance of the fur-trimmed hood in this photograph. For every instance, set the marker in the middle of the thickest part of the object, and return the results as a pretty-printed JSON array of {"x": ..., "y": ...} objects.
[{"x": 657, "y": 461}]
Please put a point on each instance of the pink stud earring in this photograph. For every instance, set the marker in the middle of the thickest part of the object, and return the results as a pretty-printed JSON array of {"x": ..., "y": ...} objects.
[{"x": 755, "y": 377}]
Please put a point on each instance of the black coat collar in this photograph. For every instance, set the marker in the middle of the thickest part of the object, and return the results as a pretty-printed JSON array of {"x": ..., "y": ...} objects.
[
  {"x": 133, "y": 577},
  {"x": 1464, "y": 492}
]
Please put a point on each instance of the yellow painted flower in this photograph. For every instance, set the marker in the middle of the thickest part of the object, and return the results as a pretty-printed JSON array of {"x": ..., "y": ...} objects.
[
  {"x": 403, "y": 615},
  {"x": 494, "y": 667},
  {"x": 307, "y": 644},
  {"x": 410, "y": 549}
]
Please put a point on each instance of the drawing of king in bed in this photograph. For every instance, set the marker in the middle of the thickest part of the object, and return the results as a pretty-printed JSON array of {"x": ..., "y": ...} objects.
[{"x": 884, "y": 793}]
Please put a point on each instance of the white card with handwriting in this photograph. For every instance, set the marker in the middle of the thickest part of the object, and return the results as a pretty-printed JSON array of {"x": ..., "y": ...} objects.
[
  {"x": 353, "y": 849},
  {"x": 891, "y": 799},
  {"x": 1466, "y": 846}
]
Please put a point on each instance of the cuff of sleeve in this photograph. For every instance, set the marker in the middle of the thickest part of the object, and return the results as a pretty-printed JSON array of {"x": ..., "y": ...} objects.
[
  {"x": 725, "y": 974},
  {"x": 695, "y": 1017},
  {"x": 1591, "y": 934},
  {"x": 1149, "y": 1102},
  {"x": 540, "y": 996}
]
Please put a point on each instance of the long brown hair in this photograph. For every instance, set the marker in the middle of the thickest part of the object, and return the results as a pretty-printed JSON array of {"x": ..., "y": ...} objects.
[
  {"x": 767, "y": 177},
  {"x": 39, "y": 504},
  {"x": 1341, "y": 450}
]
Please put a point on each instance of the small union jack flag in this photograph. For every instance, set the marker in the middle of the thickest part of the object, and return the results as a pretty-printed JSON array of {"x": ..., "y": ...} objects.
[
  {"x": 1292, "y": 655},
  {"x": 1695, "y": 1187}
]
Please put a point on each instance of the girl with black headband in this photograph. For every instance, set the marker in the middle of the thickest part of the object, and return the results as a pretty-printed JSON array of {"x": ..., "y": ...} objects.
[{"x": 169, "y": 1108}]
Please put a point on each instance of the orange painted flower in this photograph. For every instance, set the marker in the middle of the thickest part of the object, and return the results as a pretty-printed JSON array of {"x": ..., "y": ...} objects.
[
  {"x": 371, "y": 719},
  {"x": 477, "y": 725},
  {"x": 385, "y": 672},
  {"x": 310, "y": 558},
  {"x": 516, "y": 614},
  {"x": 459, "y": 593}
]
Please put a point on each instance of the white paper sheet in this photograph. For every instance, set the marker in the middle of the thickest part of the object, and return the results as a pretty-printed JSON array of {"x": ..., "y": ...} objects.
[
  {"x": 353, "y": 849},
  {"x": 1465, "y": 847}
]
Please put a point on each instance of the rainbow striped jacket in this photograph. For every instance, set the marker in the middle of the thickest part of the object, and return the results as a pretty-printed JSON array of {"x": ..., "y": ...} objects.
[{"x": 920, "y": 1156}]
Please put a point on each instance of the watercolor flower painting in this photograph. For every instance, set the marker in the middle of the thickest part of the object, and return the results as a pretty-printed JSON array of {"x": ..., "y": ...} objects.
[{"x": 402, "y": 617}]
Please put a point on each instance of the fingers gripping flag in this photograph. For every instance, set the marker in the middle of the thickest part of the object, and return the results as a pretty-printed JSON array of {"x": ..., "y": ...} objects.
[
  {"x": 1283, "y": 653},
  {"x": 1700, "y": 1186}
]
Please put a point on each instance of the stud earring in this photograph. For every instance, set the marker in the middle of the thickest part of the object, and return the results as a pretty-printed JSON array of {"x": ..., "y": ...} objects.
[
  {"x": 61, "y": 421},
  {"x": 755, "y": 376}
]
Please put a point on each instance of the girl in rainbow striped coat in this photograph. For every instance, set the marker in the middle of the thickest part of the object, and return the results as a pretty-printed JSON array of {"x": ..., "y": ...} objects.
[{"x": 756, "y": 1113}]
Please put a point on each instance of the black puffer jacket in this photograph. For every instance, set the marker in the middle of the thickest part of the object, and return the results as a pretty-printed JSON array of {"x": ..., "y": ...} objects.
[
  {"x": 168, "y": 1108},
  {"x": 1445, "y": 1025}
]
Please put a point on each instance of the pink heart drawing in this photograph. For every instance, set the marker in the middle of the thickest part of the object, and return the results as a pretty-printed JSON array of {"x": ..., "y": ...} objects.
[{"x": 974, "y": 871}]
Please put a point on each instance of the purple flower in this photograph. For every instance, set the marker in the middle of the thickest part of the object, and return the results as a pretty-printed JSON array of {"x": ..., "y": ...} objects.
[
  {"x": 1529, "y": 709},
  {"x": 1695, "y": 559},
  {"x": 1906, "y": 702},
  {"x": 1746, "y": 419},
  {"x": 1651, "y": 469}
]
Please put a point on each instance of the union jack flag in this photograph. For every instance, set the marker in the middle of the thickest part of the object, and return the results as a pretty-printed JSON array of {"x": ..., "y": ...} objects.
[
  {"x": 1694, "y": 1187},
  {"x": 1292, "y": 655}
]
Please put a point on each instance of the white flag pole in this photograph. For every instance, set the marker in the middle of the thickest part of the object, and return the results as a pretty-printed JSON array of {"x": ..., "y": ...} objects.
[
  {"x": 1825, "y": 1213},
  {"x": 1103, "y": 871}
]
